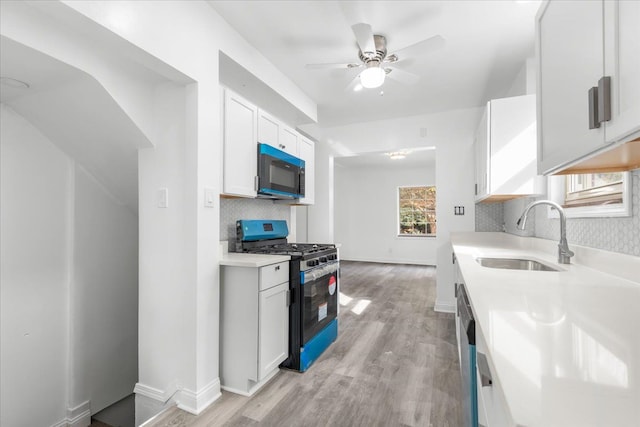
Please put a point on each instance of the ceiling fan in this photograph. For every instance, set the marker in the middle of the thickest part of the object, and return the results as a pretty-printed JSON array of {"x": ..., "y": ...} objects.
[{"x": 376, "y": 61}]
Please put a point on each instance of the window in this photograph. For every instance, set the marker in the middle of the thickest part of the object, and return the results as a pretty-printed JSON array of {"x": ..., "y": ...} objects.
[
  {"x": 593, "y": 189},
  {"x": 592, "y": 195},
  {"x": 417, "y": 211}
]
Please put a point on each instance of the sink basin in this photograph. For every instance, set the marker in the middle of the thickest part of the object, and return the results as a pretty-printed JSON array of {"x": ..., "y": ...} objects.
[{"x": 515, "y": 264}]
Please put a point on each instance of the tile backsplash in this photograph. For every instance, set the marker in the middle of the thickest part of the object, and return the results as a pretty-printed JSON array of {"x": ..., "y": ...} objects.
[
  {"x": 232, "y": 210},
  {"x": 610, "y": 234},
  {"x": 489, "y": 216}
]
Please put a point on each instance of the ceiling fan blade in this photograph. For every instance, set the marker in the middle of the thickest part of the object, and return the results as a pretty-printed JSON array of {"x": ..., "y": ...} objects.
[
  {"x": 425, "y": 46},
  {"x": 355, "y": 82},
  {"x": 403, "y": 76},
  {"x": 346, "y": 65},
  {"x": 364, "y": 37}
]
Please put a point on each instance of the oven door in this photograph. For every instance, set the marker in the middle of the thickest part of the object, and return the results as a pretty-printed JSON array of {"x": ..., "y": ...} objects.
[
  {"x": 279, "y": 174},
  {"x": 320, "y": 299}
]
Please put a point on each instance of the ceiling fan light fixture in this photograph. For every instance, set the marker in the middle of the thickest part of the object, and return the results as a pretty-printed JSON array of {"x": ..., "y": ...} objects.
[
  {"x": 397, "y": 155},
  {"x": 372, "y": 77}
]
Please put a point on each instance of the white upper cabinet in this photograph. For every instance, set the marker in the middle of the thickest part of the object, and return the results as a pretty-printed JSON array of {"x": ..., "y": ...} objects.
[
  {"x": 578, "y": 44},
  {"x": 622, "y": 63},
  {"x": 288, "y": 141},
  {"x": 240, "y": 146},
  {"x": 268, "y": 129},
  {"x": 482, "y": 157},
  {"x": 506, "y": 150},
  {"x": 307, "y": 153},
  {"x": 275, "y": 133},
  {"x": 244, "y": 125}
]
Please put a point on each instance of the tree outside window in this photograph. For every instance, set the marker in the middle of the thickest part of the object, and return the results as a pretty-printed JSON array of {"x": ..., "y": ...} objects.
[{"x": 417, "y": 211}]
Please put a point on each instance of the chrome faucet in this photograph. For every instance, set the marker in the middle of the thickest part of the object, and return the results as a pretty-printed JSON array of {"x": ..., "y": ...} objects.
[{"x": 564, "y": 254}]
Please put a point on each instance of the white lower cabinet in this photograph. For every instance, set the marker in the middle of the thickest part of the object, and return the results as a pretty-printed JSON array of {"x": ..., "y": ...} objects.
[
  {"x": 254, "y": 325},
  {"x": 492, "y": 407}
]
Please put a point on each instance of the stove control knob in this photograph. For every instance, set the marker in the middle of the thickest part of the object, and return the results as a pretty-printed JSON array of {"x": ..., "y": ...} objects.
[
  {"x": 312, "y": 262},
  {"x": 323, "y": 259}
]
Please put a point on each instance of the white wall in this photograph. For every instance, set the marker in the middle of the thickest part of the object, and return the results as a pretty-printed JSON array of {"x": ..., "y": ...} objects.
[
  {"x": 450, "y": 132},
  {"x": 366, "y": 215},
  {"x": 320, "y": 216},
  {"x": 35, "y": 275},
  {"x": 69, "y": 284},
  {"x": 190, "y": 361},
  {"x": 176, "y": 39},
  {"x": 103, "y": 295}
]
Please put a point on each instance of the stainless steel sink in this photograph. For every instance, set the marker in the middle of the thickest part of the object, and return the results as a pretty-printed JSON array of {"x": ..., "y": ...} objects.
[{"x": 515, "y": 264}]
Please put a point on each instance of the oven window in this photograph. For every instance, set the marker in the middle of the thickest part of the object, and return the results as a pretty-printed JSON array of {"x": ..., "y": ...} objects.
[
  {"x": 320, "y": 305},
  {"x": 282, "y": 176}
]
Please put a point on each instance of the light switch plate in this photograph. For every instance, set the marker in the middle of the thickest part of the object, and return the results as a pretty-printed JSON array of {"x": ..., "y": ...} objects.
[
  {"x": 209, "y": 198},
  {"x": 163, "y": 198}
]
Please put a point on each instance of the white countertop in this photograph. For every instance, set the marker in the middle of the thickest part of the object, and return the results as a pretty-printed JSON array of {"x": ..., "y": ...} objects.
[
  {"x": 251, "y": 260},
  {"x": 565, "y": 345}
]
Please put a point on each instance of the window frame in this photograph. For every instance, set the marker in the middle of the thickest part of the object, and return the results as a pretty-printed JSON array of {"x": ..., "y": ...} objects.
[
  {"x": 398, "y": 223},
  {"x": 557, "y": 190}
]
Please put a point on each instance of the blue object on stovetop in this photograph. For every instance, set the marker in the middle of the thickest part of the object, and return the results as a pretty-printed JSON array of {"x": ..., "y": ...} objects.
[{"x": 251, "y": 230}]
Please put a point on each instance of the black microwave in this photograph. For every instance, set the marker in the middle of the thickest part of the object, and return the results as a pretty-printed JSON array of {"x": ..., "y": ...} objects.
[{"x": 280, "y": 175}]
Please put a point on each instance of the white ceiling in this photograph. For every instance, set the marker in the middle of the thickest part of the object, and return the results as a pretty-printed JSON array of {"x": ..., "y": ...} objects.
[
  {"x": 415, "y": 158},
  {"x": 486, "y": 43}
]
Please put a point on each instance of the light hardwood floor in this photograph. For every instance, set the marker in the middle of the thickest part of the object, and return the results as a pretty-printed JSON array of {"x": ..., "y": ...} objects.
[{"x": 393, "y": 364}]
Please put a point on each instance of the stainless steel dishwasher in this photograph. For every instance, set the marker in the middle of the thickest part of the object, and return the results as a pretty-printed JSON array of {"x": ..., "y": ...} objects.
[{"x": 467, "y": 345}]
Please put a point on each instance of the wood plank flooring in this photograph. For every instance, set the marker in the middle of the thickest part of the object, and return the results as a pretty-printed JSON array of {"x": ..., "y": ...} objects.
[{"x": 395, "y": 363}]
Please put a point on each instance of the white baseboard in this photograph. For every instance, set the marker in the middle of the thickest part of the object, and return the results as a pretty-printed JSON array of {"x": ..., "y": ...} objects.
[
  {"x": 445, "y": 307},
  {"x": 196, "y": 402},
  {"x": 255, "y": 387},
  {"x": 79, "y": 416},
  {"x": 162, "y": 396},
  {"x": 151, "y": 401},
  {"x": 187, "y": 400}
]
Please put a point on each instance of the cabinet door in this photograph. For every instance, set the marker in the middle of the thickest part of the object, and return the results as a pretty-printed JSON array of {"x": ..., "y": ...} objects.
[
  {"x": 570, "y": 62},
  {"x": 307, "y": 153},
  {"x": 482, "y": 157},
  {"x": 268, "y": 129},
  {"x": 273, "y": 333},
  {"x": 512, "y": 163},
  {"x": 622, "y": 64},
  {"x": 492, "y": 407},
  {"x": 240, "y": 149},
  {"x": 288, "y": 141}
]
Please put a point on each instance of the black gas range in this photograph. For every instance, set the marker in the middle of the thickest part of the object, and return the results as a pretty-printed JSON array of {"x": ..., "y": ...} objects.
[{"x": 313, "y": 282}]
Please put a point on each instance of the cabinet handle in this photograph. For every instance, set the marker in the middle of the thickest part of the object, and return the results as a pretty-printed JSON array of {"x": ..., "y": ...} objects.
[
  {"x": 594, "y": 123},
  {"x": 288, "y": 297},
  {"x": 277, "y": 267},
  {"x": 604, "y": 99},
  {"x": 483, "y": 368},
  {"x": 256, "y": 182}
]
